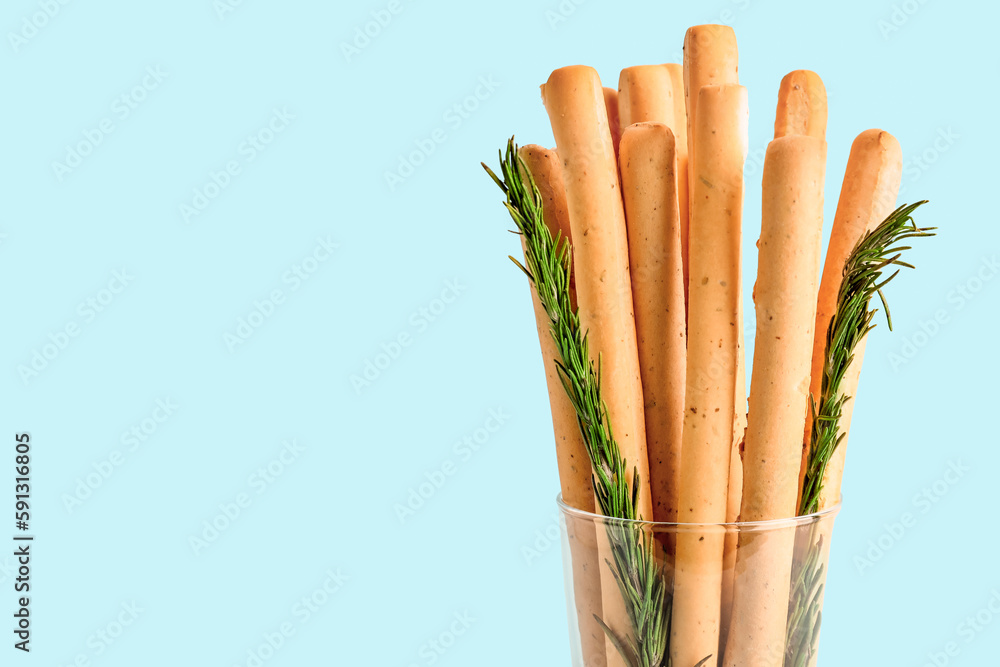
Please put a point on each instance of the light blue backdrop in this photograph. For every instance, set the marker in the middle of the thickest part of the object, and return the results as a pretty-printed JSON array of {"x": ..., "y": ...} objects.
[{"x": 189, "y": 291}]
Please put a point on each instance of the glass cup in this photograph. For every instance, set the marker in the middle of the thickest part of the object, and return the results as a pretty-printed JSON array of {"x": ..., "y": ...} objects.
[{"x": 736, "y": 595}]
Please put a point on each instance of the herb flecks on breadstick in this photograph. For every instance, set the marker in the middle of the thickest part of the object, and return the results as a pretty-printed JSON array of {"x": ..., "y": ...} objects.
[
  {"x": 649, "y": 188},
  {"x": 785, "y": 298},
  {"x": 720, "y": 147},
  {"x": 637, "y": 571}
]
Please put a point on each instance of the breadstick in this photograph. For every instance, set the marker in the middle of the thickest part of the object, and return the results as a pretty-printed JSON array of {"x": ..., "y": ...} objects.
[
  {"x": 645, "y": 94},
  {"x": 611, "y": 105},
  {"x": 784, "y": 294},
  {"x": 571, "y": 454},
  {"x": 867, "y": 197},
  {"x": 680, "y": 128},
  {"x": 574, "y": 462},
  {"x": 649, "y": 188},
  {"x": 710, "y": 57},
  {"x": 801, "y": 105},
  {"x": 719, "y": 151},
  {"x": 574, "y": 99}
]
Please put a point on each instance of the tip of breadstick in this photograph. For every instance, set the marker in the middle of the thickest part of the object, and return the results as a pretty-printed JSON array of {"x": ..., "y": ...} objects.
[
  {"x": 714, "y": 41},
  {"x": 649, "y": 131},
  {"x": 572, "y": 73},
  {"x": 802, "y": 107},
  {"x": 804, "y": 78},
  {"x": 880, "y": 139},
  {"x": 881, "y": 146},
  {"x": 710, "y": 31},
  {"x": 569, "y": 78},
  {"x": 533, "y": 154}
]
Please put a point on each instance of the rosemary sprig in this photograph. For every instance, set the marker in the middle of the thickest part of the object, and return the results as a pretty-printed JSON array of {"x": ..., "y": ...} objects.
[
  {"x": 548, "y": 266},
  {"x": 804, "y": 613},
  {"x": 878, "y": 251},
  {"x": 852, "y": 320}
]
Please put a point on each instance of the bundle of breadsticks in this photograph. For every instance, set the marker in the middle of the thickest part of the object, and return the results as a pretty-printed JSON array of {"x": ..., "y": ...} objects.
[{"x": 641, "y": 205}]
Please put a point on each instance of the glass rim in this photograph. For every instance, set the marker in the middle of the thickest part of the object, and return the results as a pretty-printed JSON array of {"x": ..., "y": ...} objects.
[{"x": 767, "y": 524}]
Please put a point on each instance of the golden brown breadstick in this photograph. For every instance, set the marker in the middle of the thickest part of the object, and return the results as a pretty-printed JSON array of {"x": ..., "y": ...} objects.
[
  {"x": 867, "y": 197},
  {"x": 680, "y": 129},
  {"x": 784, "y": 294},
  {"x": 802, "y": 109},
  {"x": 571, "y": 454},
  {"x": 649, "y": 188},
  {"x": 869, "y": 201},
  {"x": 719, "y": 151},
  {"x": 574, "y": 99},
  {"x": 801, "y": 105},
  {"x": 574, "y": 462}
]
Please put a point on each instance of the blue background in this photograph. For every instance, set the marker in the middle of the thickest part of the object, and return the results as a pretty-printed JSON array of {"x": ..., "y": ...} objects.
[{"x": 922, "y": 70}]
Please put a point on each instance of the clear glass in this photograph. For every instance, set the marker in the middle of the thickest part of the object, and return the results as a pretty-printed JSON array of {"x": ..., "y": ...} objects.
[{"x": 703, "y": 595}]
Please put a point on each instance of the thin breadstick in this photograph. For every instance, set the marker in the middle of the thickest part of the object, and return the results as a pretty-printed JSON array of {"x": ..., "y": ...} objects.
[
  {"x": 867, "y": 197},
  {"x": 865, "y": 202},
  {"x": 574, "y": 463},
  {"x": 574, "y": 99},
  {"x": 575, "y": 475},
  {"x": 680, "y": 129},
  {"x": 720, "y": 148},
  {"x": 649, "y": 187},
  {"x": 784, "y": 294},
  {"x": 801, "y": 105},
  {"x": 802, "y": 109}
]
